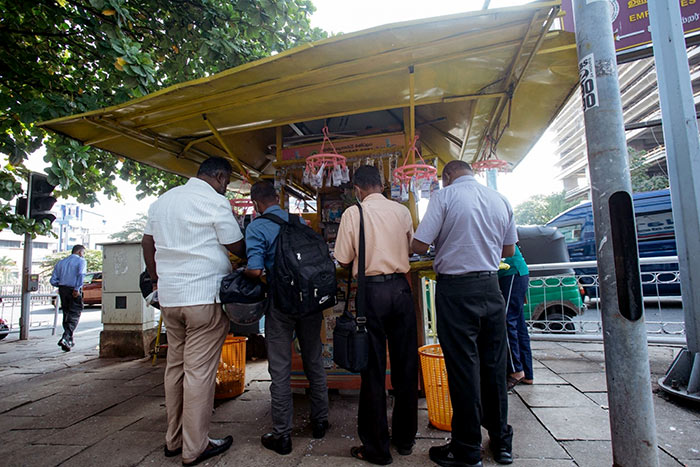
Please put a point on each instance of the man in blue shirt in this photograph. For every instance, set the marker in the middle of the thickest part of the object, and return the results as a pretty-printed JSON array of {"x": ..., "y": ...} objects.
[
  {"x": 261, "y": 242},
  {"x": 68, "y": 277}
]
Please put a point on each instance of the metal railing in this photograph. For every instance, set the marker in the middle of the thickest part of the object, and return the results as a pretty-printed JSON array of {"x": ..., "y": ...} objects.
[
  {"x": 45, "y": 298},
  {"x": 565, "y": 307}
]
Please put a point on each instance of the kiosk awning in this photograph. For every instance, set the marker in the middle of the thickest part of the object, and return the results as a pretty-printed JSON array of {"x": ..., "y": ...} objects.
[{"x": 479, "y": 78}]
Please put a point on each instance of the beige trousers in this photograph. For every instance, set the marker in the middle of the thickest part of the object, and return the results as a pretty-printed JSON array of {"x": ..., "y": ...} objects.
[{"x": 195, "y": 337}]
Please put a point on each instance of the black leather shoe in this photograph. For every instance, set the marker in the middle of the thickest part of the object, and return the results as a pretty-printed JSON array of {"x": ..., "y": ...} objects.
[
  {"x": 443, "y": 455},
  {"x": 281, "y": 445},
  {"x": 404, "y": 450},
  {"x": 64, "y": 345},
  {"x": 318, "y": 429},
  {"x": 173, "y": 453},
  {"x": 216, "y": 447},
  {"x": 503, "y": 456}
]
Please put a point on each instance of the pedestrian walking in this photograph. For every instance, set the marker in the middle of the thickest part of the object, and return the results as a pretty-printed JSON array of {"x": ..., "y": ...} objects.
[{"x": 68, "y": 275}]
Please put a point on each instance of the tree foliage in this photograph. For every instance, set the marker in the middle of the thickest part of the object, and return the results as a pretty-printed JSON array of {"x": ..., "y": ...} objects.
[
  {"x": 540, "y": 209},
  {"x": 92, "y": 257},
  {"x": 639, "y": 173},
  {"x": 132, "y": 231},
  {"x": 61, "y": 57}
]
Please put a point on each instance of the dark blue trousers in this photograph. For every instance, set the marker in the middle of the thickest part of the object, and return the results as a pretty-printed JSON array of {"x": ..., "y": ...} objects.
[{"x": 514, "y": 289}]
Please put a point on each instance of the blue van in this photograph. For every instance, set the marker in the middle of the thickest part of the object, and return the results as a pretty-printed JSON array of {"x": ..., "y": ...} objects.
[{"x": 655, "y": 236}]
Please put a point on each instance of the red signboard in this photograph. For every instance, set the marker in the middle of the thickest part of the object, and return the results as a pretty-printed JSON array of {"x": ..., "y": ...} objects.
[{"x": 630, "y": 20}]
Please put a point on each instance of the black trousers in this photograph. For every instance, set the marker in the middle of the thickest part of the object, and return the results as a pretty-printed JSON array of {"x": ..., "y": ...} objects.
[
  {"x": 390, "y": 317},
  {"x": 71, "y": 307},
  {"x": 471, "y": 325}
]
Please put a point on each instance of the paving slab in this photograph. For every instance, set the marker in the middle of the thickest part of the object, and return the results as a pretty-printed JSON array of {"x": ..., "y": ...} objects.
[
  {"x": 154, "y": 423},
  {"x": 24, "y": 437},
  {"x": 88, "y": 432},
  {"x": 555, "y": 353},
  {"x": 61, "y": 411},
  {"x": 583, "y": 346},
  {"x": 578, "y": 365},
  {"x": 537, "y": 364},
  {"x": 671, "y": 410},
  {"x": 575, "y": 423},
  {"x": 138, "y": 406},
  {"x": 681, "y": 438},
  {"x": 37, "y": 454},
  {"x": 587, "y": 382},
  {"x": 594, "y": 356},
  {"x": 600, "y": 398},
  {"x": 530, "y": 439},
  {"x": 544, "y": 375},
  {"x": 238, "y": 410},
  {"x": 118, "y": 449},
  {"x": 597, "y": 453},
  {"x": 544, "y": 345},
  {"x": 553, "y": 396}
]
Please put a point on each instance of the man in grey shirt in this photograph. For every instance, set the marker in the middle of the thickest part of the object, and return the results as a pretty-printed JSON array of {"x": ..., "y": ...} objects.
[{"x": 472, "y": 228}]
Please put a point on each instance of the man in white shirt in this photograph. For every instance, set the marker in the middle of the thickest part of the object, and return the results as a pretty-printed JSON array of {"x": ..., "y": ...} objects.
[{"x": 186, "y": 241}]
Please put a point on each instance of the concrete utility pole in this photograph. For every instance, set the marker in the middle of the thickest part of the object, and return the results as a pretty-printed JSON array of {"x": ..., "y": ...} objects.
[
  {"x": 683, "y": 155},
  {"x": 632, "y": 423}
]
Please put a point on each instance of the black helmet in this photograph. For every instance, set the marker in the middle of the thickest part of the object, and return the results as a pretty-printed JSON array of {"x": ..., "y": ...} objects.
[
  {"x": 146, "y": 287},
  {"x": 243, "y": 299}
]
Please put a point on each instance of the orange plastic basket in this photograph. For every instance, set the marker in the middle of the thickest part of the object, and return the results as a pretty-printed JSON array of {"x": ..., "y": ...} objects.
[
  {"x": 230, "y": 376},
  {"x": 437, "y": 393}
]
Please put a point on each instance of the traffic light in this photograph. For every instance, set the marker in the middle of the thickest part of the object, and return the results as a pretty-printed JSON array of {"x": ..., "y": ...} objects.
[{"x": 41, "y": 200}]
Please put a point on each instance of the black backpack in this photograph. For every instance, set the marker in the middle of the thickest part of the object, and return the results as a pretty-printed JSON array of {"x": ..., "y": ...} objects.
[{"x": 302, "y": 281}]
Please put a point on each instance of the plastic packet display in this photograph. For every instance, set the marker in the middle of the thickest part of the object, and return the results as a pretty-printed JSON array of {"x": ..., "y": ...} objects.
[
  {"x": 337, "y": 175},
  {"x": 317, "y": 178},
  {"x": 306, "y": 178}
]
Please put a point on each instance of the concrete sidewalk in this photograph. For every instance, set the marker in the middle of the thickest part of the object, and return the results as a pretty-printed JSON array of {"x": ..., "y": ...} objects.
[{"x": 75, "y": 409}]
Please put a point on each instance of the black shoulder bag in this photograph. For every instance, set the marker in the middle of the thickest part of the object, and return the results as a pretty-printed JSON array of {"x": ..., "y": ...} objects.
[{"x": 350, "y": 339}]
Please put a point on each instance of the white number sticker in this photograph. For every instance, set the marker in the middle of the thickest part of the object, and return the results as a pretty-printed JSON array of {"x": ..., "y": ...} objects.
[{"x": 589, "y": 90}]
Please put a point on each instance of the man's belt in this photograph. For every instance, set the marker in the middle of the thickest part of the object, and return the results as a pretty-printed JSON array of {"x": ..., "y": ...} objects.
[
  {"x": 383, "y": 277},
  {"x": 468, "y": 275}
]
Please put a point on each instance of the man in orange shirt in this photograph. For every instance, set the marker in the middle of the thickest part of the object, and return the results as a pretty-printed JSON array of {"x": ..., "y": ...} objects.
[{"x": 390, "y": 316}]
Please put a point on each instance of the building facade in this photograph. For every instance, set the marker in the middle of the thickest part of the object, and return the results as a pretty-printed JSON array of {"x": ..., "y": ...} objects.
[{"x": 641, "y": 111}]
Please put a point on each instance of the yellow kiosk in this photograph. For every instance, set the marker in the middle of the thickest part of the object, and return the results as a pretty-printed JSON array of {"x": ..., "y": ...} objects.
[{"x": 480, "y": 86}]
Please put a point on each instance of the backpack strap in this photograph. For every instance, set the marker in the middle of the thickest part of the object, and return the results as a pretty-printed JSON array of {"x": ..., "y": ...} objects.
[{"x": 276, "y": 219}]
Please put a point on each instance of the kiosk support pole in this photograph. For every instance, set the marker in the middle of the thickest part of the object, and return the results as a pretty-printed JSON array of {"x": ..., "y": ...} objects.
[{"x": 632, "y": 424}]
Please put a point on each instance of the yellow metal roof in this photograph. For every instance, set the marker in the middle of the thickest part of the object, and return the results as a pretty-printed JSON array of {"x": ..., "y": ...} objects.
[{"x": 480, "y": 77}]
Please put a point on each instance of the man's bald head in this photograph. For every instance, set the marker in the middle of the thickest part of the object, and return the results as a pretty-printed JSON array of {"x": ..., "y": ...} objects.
[{"x": 454, "y": 170}]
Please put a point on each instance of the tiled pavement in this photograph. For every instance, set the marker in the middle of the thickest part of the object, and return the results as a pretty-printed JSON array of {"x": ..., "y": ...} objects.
[{"x": 75, "y": 409}]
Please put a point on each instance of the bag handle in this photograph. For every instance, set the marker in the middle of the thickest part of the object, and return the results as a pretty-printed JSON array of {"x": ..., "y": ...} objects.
[{"x": 360, "y": 318}]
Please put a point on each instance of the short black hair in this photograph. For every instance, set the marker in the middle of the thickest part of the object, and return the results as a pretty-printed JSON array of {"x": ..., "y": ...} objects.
[
  {"x": 367, "y": 177},
  {"x": 215, "y": 166},
  {"x": 77, "y": 249},
  {"x": 263, "y": 191},
  {"x": 456, "y": 166}
]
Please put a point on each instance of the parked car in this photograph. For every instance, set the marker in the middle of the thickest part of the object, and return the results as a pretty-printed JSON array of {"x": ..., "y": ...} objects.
[
  {"x": 92, "y": 288},
  {"x": 655, "y": 236},
  {"x": 554, "y": 297}
]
